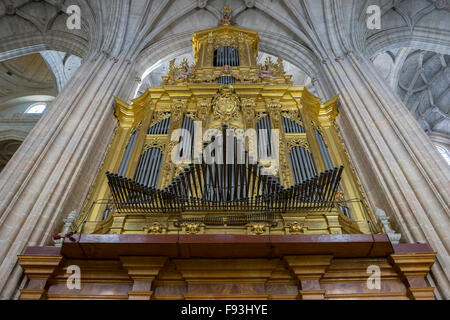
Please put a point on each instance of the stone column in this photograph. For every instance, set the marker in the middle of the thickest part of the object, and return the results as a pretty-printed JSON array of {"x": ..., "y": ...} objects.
[
  {"x": 401, "y": 170},
  {"x": 143, "y": 271},
  {"x": 309, "y": 270},
  {"x": 52, "y": 171}
]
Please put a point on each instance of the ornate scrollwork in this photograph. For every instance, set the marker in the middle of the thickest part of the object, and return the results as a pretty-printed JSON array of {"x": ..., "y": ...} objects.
[
  {"x": 270, "y": 69},
  {"x": 192, "y": 228},
  {"x": 179, "y": 73},
  {"x": 226, "y": 105},
  {"x": 178, "y": 108},
  {"x": 294, "y": 116},
  {"x": 154, "y": 228},
  {"x": 293, "y": 141},
  {"x": 258, "y": 228},
  {"x": 203, "y": 111},
  {"x": 274, "y": 108},
  {"x": 156, "y": 142},
  {"x": 285, "y": 169},
  {"x": 248, "y": 110},
  {"x": 296, "y": 228},
  {"x": 260, "y": 115}
]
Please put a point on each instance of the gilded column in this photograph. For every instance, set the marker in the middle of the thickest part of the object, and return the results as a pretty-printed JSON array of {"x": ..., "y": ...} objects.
[
  {"x": 274, "y": 110},
  {"x": 178, "y": 109}
]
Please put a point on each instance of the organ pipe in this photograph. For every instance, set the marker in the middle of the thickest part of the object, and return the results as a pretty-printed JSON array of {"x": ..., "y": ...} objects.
[
  {"x": 128, "y": 153},
  {"x": 302, "y": 164}
]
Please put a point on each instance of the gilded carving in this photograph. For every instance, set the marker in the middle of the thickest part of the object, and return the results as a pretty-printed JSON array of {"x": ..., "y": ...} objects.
[
  {"x": 226, "y": 105},
  {"x": 177, "y": 113},
  {"x": 156, "y": 142},
  {"x": 294, "y": 116},
  {"x": 258, "y": 228},
  {"x": 293, "y": 141},
  {"x": 154, "y": 228},
  {"x": 270, "y": 69},
  {"x": 179, "y": 73},
  {"x": 248, "y": 109},
  {"x": 296, "y": 228},
  {"x": 340, "y": 196},
  {"x": 274, "y": 109},
  {"x": 159, "y": 117},
  {"x": 203, "y": 111},
  {"x": 192, "y": 228}
]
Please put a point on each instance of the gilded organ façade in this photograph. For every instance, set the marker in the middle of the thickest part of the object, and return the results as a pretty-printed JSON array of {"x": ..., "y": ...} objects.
[{"x": 226, "y": 182}]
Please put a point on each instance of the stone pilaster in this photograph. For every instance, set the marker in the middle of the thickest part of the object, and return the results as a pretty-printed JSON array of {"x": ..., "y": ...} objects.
[
  {"x": 53, "y": 170},
  {"x": 400, "y": 169},
  {"x": 309, "y": 270}
]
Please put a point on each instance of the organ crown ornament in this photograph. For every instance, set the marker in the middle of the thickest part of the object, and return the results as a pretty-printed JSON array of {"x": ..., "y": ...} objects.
[{"x": 226, "y": 54}]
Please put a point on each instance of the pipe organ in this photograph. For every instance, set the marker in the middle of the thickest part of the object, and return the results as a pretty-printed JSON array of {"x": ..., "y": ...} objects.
[{"x": 277, "y": 158}]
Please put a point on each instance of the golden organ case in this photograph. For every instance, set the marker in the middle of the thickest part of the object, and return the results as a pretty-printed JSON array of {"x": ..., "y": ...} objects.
[{"x": 271, "y": 123}]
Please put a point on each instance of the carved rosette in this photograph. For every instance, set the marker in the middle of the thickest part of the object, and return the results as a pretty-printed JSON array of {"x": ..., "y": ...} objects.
[
  {"x": 296, "y": 228},
  {"x": 258, "y": 228},
  {"x": 159, "y": 117},
  {"x": 297, "y": 141},
  {"x": 155, "y": 228},
  {"x": 192, "y": 228}
]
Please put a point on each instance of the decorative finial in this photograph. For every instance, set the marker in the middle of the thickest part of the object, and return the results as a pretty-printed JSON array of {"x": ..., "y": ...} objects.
[{"x": 226, "y": 16}]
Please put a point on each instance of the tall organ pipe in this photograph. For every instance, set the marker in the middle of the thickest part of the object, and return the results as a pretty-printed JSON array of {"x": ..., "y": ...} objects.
[
  {"x": 324, "y": 151},
  {"x": 128, "y": 153}
]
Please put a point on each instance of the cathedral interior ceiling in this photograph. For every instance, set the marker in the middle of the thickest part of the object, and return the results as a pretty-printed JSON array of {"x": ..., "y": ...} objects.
[{"x": 167, "y": 26}]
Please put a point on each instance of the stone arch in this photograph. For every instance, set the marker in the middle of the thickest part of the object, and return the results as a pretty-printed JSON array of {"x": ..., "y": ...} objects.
[
  {"x": 420, "y": 24},
  {"x": 30, "y": 26},
  {"x": 11, "y": 134},
  {"x": 10, "y": 141}
]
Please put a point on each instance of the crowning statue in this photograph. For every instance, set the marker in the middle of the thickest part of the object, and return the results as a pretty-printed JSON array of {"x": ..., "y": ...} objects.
[
  {"x": 182, "y": 72},
  {"x": 226, "y": 16}
]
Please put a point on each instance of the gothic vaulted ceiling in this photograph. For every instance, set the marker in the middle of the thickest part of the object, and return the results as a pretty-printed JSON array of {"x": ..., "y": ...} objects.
[{"x": 164, "y": 29}]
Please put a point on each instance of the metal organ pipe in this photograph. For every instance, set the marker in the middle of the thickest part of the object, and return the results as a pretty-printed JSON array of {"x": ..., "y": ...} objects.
[
  {"x": 128, "y": 153},
  {"x": 292, "y": 126},
  {"x": 324, "y": 150}
]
